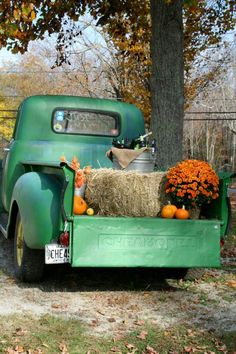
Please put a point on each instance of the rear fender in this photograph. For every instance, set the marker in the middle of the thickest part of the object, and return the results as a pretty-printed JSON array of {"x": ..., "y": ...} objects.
[
  {"x": 220, "y": 208},
  {"x": 37, "y": 196}
]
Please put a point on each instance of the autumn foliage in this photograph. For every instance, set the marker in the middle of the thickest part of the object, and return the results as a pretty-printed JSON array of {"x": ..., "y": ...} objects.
[
  {"x": 129, "y": 26},
  {"x": 192, "y": 182}
]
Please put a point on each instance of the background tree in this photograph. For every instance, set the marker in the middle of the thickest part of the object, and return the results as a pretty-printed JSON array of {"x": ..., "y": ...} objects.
[
  {"x": 32, "y": 74},
  {"x": 25, "y": 21},
  {"x": 213, "y": 138},
  {"x": 6, "y": 121}
]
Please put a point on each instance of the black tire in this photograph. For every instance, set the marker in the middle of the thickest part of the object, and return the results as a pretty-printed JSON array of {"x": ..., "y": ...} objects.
[
  {"x": 194, "y": 273},
  {"x": 188, "y": 273},
  {"x": 28, "y": 263}
]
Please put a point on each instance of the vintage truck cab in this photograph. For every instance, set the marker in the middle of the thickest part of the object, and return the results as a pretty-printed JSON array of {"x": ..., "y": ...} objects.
[{"x": 37, "y": 195}]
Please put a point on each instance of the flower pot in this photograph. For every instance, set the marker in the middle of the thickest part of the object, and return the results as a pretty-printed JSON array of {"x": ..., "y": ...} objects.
[{"x": 194, "y": 213}]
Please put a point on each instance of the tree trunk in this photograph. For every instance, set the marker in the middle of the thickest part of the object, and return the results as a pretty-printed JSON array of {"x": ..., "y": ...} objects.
[{"x": 167, "y": 81}]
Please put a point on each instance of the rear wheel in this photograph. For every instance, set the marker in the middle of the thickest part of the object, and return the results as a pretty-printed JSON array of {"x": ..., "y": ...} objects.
[
  {"x": 28, "y": 263},
  {"x": 188, "y": 273},
  {"x": 194, "y": 273}
]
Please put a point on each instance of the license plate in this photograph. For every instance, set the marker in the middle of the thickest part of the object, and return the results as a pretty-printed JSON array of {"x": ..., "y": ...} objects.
[{"x": 56, "y": 254}]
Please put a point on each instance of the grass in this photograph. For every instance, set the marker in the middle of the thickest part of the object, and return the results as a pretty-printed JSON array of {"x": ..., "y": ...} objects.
[{"x": 51, "y": 335}]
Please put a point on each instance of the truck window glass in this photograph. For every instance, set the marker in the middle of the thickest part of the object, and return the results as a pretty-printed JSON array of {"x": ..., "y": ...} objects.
[{"x": 85, "y": 122}]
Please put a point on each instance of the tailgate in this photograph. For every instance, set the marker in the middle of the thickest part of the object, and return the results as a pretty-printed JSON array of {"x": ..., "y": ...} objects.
[{"x": 144, "y": 242}]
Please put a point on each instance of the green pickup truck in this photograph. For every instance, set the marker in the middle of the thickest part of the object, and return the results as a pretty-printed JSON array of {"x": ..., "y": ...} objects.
[{"x": 37, "y": 193}]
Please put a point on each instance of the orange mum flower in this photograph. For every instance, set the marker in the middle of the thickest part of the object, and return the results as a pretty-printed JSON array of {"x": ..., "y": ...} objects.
[{"x": 196, "y": 183}]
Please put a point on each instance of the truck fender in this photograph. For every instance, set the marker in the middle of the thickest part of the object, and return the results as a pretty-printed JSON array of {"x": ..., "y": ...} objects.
[{"x": 38, "y": 198}]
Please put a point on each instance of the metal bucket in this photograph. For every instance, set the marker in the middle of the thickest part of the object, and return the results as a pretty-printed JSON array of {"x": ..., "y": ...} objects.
[{"x": 143, "y": 163}]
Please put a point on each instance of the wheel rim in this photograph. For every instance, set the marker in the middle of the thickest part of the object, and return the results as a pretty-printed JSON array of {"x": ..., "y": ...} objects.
[{"x": 19, "y": 244}]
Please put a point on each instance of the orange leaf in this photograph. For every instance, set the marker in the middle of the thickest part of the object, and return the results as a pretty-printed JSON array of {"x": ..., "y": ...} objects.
[
  {"x": 20, "y": 332},
  {"x": 32, "y": 15},
  {"x": 115, "y": 350},
  {"x": 63, "y": 348},
  {"x": 142, "y": 335},
  {"x": 139, "y": 322},
  {"x": 150, "y": 350},
  {"x": 129, "y": 346},
  {"x": 231, "y": 283}
]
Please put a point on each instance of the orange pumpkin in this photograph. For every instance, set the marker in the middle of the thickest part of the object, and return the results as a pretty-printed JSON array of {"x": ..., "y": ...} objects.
[
  {"x": 174, "y": 207},
  {"x": 80, "y": 205},
  {"x": 182, "y": 213},
  {"x": 168, "y": 212}
]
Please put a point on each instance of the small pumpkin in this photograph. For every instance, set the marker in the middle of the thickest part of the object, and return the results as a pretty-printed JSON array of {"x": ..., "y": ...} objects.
[
  {"x": 80, "y": 205},
  {"x": 174, "y": 207},
  {"x": 168, "y": 212},
  {"x": 182, "y": 213}
]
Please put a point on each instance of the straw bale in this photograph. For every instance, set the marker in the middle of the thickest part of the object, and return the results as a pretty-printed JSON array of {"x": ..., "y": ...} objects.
[{"x": 126, "y": 193}]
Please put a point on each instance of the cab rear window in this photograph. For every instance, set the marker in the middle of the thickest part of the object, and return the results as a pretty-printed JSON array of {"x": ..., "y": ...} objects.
[{"x": 69, "y": 121}]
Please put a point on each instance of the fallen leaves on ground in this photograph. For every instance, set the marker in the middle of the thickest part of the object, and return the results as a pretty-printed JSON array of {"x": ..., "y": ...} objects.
[
  {"x": 94, "y": 323},
  {"x": 191, "y": 333},
  {"x": 16, "y": 350},
  {"x": 101, "y": 312},
  {"x": 150, "y": 350},
  {"x": 55, "y": 306},
  {"x": 188, "y": 349},
  {"x": 220, "y": 346},
  {"x": 20, "y": 332},
  {"x": 231, "y": 283},
  {"x": 21, "y": 350},
  {"x": 132, "y": 348},
  {"x": 111, "y": 319},
  {"x": 142, "y": 335},
  {"x": 139, "y": 322},
  {"x": 63, "y": 348},
  {"x": 115, "y": 350}
]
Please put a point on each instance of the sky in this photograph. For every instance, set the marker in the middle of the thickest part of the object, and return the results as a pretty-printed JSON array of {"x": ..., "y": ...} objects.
[{"x": 91, "y": 32}]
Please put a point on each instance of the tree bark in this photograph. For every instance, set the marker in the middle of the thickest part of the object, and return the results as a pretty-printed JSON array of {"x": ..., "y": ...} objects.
[{"x": 167, "y": 81}]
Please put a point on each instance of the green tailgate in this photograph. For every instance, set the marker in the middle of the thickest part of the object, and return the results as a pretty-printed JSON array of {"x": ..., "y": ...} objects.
[{"x": 144, "y": 242}]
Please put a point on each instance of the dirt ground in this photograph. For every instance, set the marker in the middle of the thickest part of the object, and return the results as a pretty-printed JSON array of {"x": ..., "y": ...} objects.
[{"x": 116, "y": 301}]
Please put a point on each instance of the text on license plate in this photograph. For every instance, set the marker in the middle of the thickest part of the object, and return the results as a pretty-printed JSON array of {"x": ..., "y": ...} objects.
[{"x": 56, "y": 254}]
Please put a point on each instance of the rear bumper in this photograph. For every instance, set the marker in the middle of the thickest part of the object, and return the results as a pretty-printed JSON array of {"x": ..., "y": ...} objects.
[{"x": 144, "y": 242}]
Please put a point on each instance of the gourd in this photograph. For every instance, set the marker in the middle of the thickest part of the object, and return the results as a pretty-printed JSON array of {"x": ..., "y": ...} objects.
[
  {"x": 182, "y": 213},
  {"x": 90, "y": 211},
  {"x": 168, "y": 212},
  {"x": 80, "y": 206}
]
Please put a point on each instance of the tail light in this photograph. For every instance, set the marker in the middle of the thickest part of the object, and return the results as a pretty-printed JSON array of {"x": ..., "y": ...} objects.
[
  {"x": 64, "y": 238},
  {"x": 222, "y": 242}
]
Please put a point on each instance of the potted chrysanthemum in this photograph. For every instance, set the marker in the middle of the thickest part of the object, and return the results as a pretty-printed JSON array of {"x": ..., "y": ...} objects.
[{"x": 192, "y": 183}]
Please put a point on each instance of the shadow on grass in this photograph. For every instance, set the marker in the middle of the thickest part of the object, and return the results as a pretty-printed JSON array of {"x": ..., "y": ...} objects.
[
  {"x": 104, "y": 279},
  {"x": 65, "y": 278}
]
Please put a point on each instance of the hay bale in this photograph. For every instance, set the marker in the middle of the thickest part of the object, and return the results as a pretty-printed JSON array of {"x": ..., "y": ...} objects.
[{"x": 125, "y": 193}]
